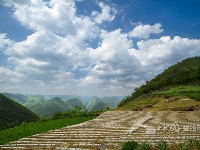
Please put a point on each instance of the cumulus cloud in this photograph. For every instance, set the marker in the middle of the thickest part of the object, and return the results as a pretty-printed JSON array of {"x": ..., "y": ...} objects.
[
  {"x": 44, "y": 55},
  {"x": 58, "y": 50},
  {"x": 107, "y": 13},
  {"x": 112, "y": 63},
  {"x": 166, "y": 50},
  {"x": 4, "y": 42},
  {"x": 144, "y": 31},
  {"x": 117, "y": 65},
  {"x": 56, "y": 17}
]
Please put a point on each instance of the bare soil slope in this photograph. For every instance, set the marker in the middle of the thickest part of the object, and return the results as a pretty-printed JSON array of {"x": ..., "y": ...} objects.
[{"x": 112, "y": 128}]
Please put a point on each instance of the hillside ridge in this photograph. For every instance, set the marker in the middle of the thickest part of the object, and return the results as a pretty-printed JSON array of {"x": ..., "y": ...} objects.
[
  {"x": 184, "y": 73},
  {"x": 13, "y": 113}
]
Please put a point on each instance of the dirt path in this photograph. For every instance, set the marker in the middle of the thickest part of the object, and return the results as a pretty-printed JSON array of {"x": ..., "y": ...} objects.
[{"x": 111, "y": 129}]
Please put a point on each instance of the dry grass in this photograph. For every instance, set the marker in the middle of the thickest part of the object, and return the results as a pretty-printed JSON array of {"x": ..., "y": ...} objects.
[{"x": 160, "y": 103}]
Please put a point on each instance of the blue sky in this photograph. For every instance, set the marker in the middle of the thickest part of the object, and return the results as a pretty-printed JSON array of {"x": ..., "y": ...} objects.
[{"x": 91, "y": 47}]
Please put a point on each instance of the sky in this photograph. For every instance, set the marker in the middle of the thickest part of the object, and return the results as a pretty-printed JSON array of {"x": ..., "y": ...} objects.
[{"x": 93, "y": 47}]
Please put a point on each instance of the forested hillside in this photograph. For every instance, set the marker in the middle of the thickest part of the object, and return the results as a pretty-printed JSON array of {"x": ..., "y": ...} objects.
[
  {"x": 48, "y": 108},
  {"x": 186, "y": 72},
  {"x": 112, "y": 100},
  {"x": 97, "y": 104},
  {"x": 20, "y": 98},
  {"x": 33, "y": 100},
  {"x": 75, "y": 102},
  {"x": 25, "y": 100},
  {"x": 13, "y": 113}
]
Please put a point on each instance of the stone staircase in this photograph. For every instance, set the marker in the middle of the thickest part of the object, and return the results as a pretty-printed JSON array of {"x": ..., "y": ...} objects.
[{"x": 112, "y": 128}]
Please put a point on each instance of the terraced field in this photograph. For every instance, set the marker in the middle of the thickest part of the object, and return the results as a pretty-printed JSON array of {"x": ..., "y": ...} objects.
[{"x": 112, "y": 128}]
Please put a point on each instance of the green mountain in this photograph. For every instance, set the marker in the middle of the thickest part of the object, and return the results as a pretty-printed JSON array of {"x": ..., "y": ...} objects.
[
  {"x": 75, "y": 102},
  {"x": 48, "y": 108},
  {"x": 13, "y": 113},
  {"x": 20, "y": 98},
  {"x": 186, "y": 72},
  {"x": 112, "y": 101},
  {"x": 97, "y": 104},
  {"x": 26, "y": 101},
  {"x": 33, "y": 100}
]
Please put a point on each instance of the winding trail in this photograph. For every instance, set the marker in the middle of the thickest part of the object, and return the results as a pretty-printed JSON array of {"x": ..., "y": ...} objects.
[{"x": 112, "y": 128}]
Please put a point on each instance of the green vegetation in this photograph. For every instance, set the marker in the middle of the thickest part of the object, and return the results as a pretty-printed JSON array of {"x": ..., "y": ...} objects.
[
  {"x": 112, "y": 101},
  {"x": 133, "y": 145},
  {"x": 97, "y": 104},
  {"x": 144, "y": 146},
  {"x": 47, "y": 105},
  {"x": 162, "y": 145},
  {"x": 183, "y": 73},
  {"x": 139, "y": 104},
  {"x": 33, "y": 100},
  {"x": 26, "y": 101},
  {"x": 13, "y": 113},
  {"x": 162, "y": 102},
  {"x": 130, "y": 145},
  {"x": 73, "y": 102},
  {"x": 48, "y": 108},
  {"x": 20, "y": 98},
  {"x": 192, "y": 92},
  {"x": 76, "y": 112},
  {"x": 44, "y": 125}
]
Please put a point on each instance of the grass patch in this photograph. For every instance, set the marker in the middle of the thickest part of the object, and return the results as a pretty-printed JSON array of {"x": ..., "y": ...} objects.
[
  {"x": 29, "y": 129},
  {"x": 162, "y": 145},
  {"x": 173, "y": 103},
  {"x": 130, "y": 145},
  {"x": 192, "y": 92}
]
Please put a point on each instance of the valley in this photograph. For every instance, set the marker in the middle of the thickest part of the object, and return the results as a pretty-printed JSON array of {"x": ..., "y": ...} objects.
[
  {"x": 46, "y": 105},
  {"x": 166, "y": 108}
]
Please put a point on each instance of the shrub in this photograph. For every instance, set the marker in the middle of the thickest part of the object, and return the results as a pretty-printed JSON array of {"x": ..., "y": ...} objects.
[
  {"x": 144, "y": 146},
  {"x": 162, "y": 145},
  {"x": 130, "y": 145},
  {"x": 184, "y": 146},
  {"x": 197, "y": 143}
]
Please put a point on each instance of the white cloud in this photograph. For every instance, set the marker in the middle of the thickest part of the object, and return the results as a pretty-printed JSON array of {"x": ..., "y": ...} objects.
[
  {"x": 113, "y": 64},
  {"x": 55, "y": 16},
  {"x": 45, "y": 54},
  {"x": 50, "y": 55},
  {"x": 144, "y": 31},
  {"x": 9, "y": 76},
  {"x": 165, "y": 51},
  {"x": 118, "y": 65},
  {"x": 107, "y": 13},
  {"x": 4, "y": 42},
  {"x": 56, "y": 58}
]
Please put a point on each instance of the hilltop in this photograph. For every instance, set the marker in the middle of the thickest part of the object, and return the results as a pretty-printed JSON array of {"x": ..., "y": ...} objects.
[
  {"x": 97, "y": 104},
  {"x": 13, "y": 113},
  {"x": 48, "y": 108},
  {"x": 73, "y": 102},
  {"x": 176, "y": 88},
  {"x": 45, "y": 106}
]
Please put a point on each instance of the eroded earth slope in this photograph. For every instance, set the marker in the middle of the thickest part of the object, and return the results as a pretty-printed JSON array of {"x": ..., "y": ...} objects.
[{"x": 112, "y": 128}]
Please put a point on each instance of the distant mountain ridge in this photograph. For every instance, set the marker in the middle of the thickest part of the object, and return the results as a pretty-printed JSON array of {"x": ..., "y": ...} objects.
[
  {"x": 97, "y": 104},
  {"x": 47, "y": 105},
  {"x": 13, "y": 113},
  {"x": 73, "y": 102},
  {"x": 20, "y": 98},
  {"x": 48, "y": 108}
]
